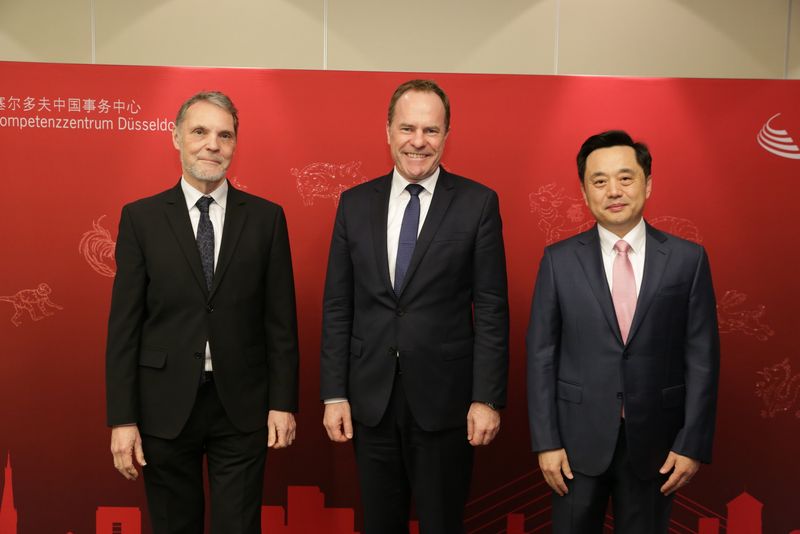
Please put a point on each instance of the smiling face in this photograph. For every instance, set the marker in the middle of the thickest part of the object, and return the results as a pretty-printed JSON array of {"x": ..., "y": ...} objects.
[
  {"x": 417, "y": 134},
  {"x": 206, "y": 141},
  {"x": 615, "y": 188}
]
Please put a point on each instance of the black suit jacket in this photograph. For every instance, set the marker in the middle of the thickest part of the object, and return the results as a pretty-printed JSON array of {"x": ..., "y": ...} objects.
[
  {"x": 162, "y": 314},
  {"x": 579, "y": 370},
  {"x": 449, "y": 323}
]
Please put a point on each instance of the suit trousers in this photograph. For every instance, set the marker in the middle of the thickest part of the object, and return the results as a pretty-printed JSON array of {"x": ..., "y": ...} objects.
[
  {"x": 639, "y": 507},
  {"x": 397, "y": 458},
  {"x": 173, "y": 475}
]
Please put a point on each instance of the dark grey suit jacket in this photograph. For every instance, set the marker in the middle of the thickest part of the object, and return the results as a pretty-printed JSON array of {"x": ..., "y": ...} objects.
[
  {"x": 579, "y": 370},
  {"x": 449, "y": 323},
  {"x": 162, "y": 314}
]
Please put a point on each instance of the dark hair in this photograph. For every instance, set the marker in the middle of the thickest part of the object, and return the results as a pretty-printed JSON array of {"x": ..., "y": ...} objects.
[
  {"x": 427, "y": 86},
  {"x": 214, "y": 97},
  {"x": 614, "y": 138}
]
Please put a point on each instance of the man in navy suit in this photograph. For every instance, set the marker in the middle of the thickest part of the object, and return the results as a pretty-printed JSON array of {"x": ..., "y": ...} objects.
[
  {"x": 202, "y": 336},
  {"x": 623, "y": 354},
  {"x": 415, "y": 324}
]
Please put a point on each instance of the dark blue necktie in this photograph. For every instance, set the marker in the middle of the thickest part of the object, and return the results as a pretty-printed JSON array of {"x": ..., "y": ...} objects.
[
  {"x": 205, "y": 240},
  {"x": 408, "y": 236}
]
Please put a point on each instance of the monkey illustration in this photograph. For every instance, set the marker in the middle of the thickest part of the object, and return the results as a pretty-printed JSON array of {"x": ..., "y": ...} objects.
[{"x": 35, "y": 301}]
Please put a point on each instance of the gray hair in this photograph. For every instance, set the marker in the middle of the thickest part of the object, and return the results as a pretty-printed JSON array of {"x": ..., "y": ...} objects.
[{"x": 214, "y": 97}]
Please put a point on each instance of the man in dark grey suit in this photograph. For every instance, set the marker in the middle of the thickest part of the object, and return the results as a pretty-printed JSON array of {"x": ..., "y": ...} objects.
[
  {"x": 623, "y": 354},
  {"x": 415, "y": 324},
  {"x": 202, "y": 335}
]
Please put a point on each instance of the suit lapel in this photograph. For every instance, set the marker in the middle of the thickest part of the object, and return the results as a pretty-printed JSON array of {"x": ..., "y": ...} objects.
[
  {"x": 442, "y": 197},
  {"x": 379, "y": 213},
  {"x": 235, "y": 217},
  {"x": 181, "y": 226},
  {"x": 591, "y": 260},
  {"x": 655, "y": 263}
]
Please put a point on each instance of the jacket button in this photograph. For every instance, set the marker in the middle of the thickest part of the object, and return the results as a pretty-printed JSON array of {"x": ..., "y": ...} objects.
[
  {"x": 399, "y": 312},
  {"x": 198, "y": 355},
  {"x": 210, "y": 308},
  {"x": 625, "y": 355}
]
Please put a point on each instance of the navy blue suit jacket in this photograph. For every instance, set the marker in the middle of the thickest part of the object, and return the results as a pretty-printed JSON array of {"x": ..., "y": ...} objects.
[
  {"x": 579, "y": 369},
  {"x": 450, "y": 322}
]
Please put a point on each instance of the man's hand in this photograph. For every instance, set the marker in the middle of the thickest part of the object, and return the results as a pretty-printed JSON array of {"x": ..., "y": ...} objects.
[
  {"x": 553, "y": 463},
  {"x": 483, "y": 424},
  {"x": 683, "y": 469},
  {"x": 281, "y": 429},
  {"x": 125, "y": 444},
  {"x": 337, "y": 421}
]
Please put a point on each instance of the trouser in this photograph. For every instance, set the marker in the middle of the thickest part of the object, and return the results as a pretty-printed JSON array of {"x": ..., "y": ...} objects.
[
  {"x": 397, "y": 459},
  {"x": 639, "y": 507},
  {"x": 173, "y": 475}
]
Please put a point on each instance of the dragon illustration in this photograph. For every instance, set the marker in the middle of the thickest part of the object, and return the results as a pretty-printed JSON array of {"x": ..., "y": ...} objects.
[
  {"x": 779, "y": 390},
  {"x": 748, "y": 322}
]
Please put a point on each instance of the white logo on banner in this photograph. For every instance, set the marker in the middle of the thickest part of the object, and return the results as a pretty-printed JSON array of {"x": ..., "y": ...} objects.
[{"x": 777, "y": 142}]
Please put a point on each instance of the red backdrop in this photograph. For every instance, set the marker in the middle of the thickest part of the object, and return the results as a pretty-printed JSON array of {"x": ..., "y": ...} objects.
[{"x": 80, "y": 141}]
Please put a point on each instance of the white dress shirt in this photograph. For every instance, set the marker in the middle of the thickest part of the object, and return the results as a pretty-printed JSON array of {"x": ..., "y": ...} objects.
[
  {"x": 216, "y": 212},
  {"x": 398, "y": 200},
  {"x": 636, "y": 238}
]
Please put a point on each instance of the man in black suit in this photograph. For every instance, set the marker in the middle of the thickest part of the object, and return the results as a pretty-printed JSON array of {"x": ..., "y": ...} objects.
[
  {"x": 202, "y": 335},
  {"x": 623, "y": 354},
  {"x": 415, "y": 324}
]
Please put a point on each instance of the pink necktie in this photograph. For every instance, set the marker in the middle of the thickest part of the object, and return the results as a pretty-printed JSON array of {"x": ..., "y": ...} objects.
[{"x": 623, "y": 288}]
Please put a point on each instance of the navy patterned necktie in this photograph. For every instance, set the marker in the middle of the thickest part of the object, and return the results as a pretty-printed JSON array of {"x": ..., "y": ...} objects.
[
  {"x": 408, "y": 236},
  {"x": 205, "y": 240}
]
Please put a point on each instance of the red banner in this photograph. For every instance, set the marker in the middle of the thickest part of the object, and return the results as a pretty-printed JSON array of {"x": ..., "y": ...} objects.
[{"x": 80, "y": 141}]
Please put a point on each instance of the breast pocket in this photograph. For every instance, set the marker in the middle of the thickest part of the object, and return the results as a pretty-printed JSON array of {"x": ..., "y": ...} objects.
[
  {"x": 674, "y": 290},
  {"x": 451, "y": 237}
]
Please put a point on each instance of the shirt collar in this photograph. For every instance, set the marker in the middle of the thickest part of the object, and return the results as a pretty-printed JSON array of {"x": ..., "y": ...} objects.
[
  {"x": 399, "y": 183},
  {"x": 635, "y": 238},
  {"x": 192, "y": 195}
]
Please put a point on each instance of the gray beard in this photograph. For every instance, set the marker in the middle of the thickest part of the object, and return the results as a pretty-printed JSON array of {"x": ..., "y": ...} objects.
[{"x": 204, "y": 176}]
